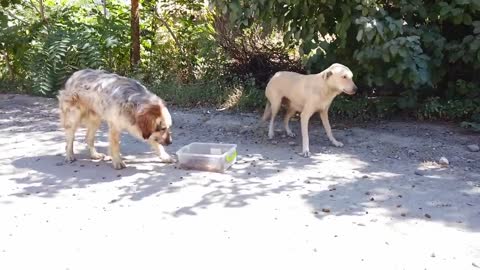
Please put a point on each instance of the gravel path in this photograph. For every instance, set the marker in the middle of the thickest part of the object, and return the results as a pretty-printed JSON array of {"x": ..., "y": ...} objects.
[{"x": 381, "y": 202}]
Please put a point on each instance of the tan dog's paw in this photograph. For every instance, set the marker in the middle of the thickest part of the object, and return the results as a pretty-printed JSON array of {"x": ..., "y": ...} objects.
[
  {"x": 306, "y": 154},
  {"x": 70, "y": 159},
  {"x": 291, "y": 134},
  {"x": 118, "y": 164},
  {"x": 337, "y": 144},
  {"x": 97, "y": 156}
]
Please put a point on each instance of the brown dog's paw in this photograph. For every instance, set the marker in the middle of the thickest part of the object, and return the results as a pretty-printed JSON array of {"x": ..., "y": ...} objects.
[
  {"x": 168, "y": 159},
  {"x": 118, "y": 165},
  {"x": 97, "y": 156},
  {"x": 70, "y": 159}
]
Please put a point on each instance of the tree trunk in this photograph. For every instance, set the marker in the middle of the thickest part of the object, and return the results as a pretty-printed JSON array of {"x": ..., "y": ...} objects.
[
  {"x": 11, "y": 72},
  {"x": 104, "y": 4},
  {"x": 42, "y": 11},
  {"x": 135, "y": 28}
]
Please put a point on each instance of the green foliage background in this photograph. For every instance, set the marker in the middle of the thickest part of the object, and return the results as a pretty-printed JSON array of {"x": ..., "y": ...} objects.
[{"x": 417, "y": 57}]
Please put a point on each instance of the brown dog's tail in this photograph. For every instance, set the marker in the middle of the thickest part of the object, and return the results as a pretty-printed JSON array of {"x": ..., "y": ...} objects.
[{"x": 268, "y": 112}]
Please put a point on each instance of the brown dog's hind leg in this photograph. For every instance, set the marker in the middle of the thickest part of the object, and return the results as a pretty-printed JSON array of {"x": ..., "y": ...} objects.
[
  {"x": 70, "y": 119},
  {"x": 92, "y": 126}
]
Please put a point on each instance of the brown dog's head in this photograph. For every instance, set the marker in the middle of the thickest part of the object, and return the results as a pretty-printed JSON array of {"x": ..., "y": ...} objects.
[
  {"x": 154, "y": 121},
  {"x": 339, "y": 78}
]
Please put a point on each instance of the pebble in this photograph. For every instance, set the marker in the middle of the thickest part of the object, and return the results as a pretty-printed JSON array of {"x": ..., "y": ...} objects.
[
  {"x": 419, "y": 172},
  {"x": 411, "y": 152},
  {"x": 292, "y": 143},
  {"x": 443, "y": 161},
  {"x": 473, "y": 147}
]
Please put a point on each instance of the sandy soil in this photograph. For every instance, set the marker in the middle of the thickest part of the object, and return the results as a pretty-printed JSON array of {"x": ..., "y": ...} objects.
[{"x": 380, "y": 202}]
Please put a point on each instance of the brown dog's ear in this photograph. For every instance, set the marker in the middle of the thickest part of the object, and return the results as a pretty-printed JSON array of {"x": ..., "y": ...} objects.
[{"x": 145, "y": 119}]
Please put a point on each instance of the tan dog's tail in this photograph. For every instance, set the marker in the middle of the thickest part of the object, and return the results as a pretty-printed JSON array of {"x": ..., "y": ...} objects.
[{"x": 268, "y": 112}]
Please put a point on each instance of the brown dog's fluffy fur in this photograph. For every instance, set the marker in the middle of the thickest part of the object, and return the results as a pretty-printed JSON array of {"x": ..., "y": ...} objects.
[{"x": 93, "y": 96}]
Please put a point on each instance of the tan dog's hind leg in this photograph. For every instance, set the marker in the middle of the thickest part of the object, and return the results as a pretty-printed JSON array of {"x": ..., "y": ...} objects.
[
  {"x": 114, "y": 141},
  {"x": 304, "y": 119},
  {"x": 92, "y": 127},
  {"x": 275, "y": 107},
  {"x": 328, "y": 129},
  {"x": 288, "y": 115},
  {"x": 267, "y": 112},
  {"x": 160, "y": 151}
]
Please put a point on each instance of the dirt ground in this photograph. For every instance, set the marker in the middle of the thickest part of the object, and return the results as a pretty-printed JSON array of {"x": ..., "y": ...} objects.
[{"x": 380, "y": 202}]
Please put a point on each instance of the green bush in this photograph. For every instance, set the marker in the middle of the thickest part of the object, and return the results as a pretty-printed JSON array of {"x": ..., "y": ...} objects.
[{"x": 410, "y": 48}]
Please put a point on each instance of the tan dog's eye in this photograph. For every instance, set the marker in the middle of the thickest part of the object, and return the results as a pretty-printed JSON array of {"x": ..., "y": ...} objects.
[{"x": 344, "y": 76}]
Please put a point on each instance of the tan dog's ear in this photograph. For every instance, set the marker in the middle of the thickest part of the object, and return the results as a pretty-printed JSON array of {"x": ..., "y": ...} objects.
[
  {"x": 145, "y": 119},
  {"x": 326, "y": 74}
]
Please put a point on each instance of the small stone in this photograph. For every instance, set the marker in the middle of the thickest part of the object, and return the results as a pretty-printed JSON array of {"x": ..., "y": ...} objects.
[
  {"x": 419, "y": 172},
  {"x": 428, "y": 216},
  {"x": 403, "y": 214},
  {"x": 443, "y": 161},
  {"x": 372, "y": 199},
  {"x": 411, "y": 152},
  {"x": 292, "y": 143},
  {"x": 433, "y": 255},
  {"x": 274, "y": 142},
  {"x": 437, "y": 145},
  {"x": 399, "y": 205},
  {"x": 473, "y": 147},
  {"x": 325, "y": 210},
  {"x": 365, "y": 176}
]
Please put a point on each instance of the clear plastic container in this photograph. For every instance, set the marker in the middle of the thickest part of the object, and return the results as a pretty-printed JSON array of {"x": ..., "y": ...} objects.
[{"x": 214, "y": 157}]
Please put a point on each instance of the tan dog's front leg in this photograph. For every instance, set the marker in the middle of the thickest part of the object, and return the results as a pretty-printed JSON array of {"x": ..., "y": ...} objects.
[
  {"x": 160, "y": 151},
  {"x": 114, "y": 140},
  {"x": 304, "y": 119},
  {"x": 328, "y": 129}
]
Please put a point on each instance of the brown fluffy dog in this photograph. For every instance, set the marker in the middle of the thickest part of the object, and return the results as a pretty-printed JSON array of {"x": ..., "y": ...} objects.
[
  {"x": 307, "y": 94},
  {"x": 92, "y": 96}
]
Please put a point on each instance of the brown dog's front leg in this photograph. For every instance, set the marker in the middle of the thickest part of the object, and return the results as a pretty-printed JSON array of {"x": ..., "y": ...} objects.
[
  {"x": 114, "y": 140},
  {"x": 328, "y": 129},
  {"x": 160, "y": 151}
]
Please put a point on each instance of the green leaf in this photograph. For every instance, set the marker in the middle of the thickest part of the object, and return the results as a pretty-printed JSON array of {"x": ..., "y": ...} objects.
[
  {"x": 467, "y": 19},
  {"x": 359, "y": 34}
]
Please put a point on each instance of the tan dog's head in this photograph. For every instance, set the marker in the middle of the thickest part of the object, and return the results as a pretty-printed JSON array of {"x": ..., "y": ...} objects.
[
  {"x": 154, "y": 121},
  {"x": 339, "y": 78}
]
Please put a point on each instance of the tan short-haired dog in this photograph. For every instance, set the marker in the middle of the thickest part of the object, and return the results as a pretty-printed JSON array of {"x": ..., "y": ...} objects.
[
  {"x": 91, "y": 96},
  {"x": 307, "y": 94}
]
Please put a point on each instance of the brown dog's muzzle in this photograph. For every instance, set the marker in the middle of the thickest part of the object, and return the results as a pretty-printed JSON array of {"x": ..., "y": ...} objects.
[{"x": 168, "y": 140}]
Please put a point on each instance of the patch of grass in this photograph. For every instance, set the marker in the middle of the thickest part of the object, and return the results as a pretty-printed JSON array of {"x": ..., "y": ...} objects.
[{"x": 220, "y": 95}]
